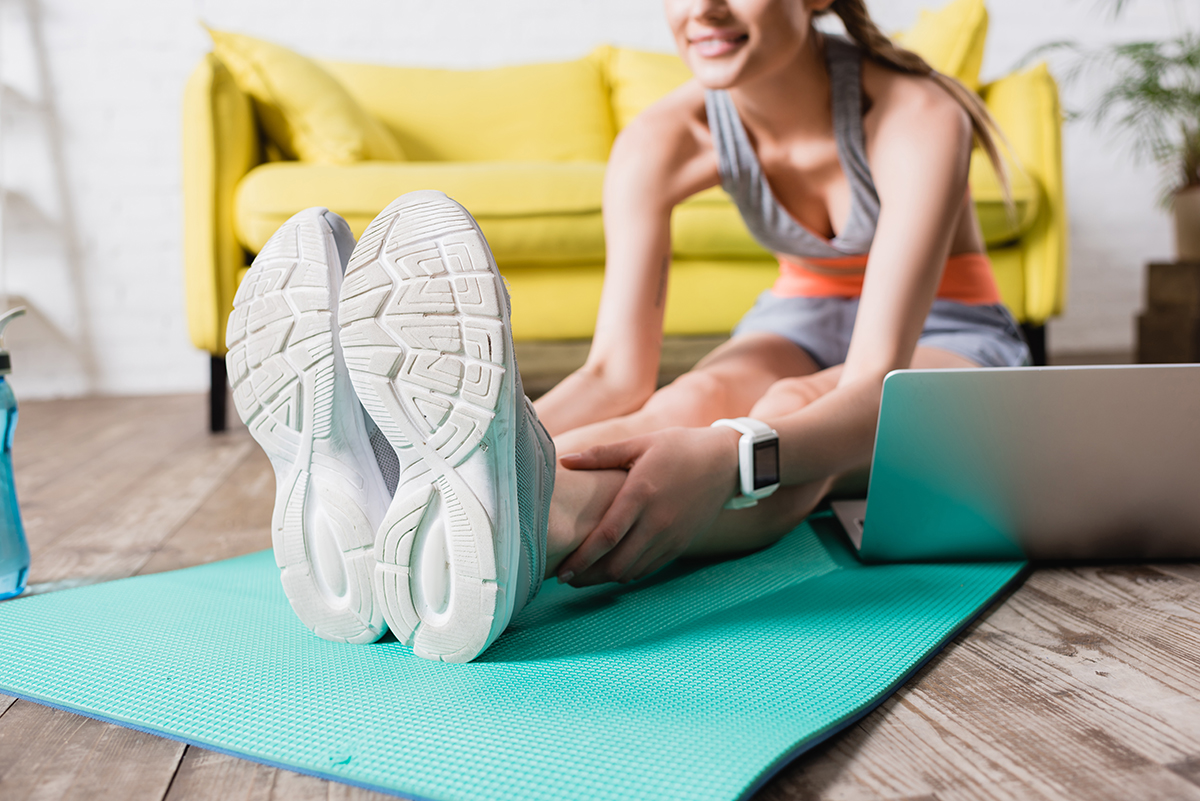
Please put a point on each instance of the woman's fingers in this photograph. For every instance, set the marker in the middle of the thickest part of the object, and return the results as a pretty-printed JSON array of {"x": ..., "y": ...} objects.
[
  {"x": 616, "y": 455},
  {"x": 644, "y": 569},
  {"x": 608, "y": 533},
  {"x": 617, "y": 564},
  {"x": 671, "y": 494},
  {"x": 639, "y": 566}
]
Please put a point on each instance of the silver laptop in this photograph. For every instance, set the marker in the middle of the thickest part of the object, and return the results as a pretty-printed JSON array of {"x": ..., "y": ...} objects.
[{"x": 1037, "y": 463}]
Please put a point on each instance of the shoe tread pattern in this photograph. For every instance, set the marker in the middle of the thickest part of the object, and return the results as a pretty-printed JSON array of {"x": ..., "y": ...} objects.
[
  {"x": 422, "y": 329},
  {"x": 282, "y": 373}
]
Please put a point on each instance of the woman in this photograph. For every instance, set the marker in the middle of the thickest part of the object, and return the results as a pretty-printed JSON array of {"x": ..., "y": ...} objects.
[
  {"x": 847, "y": 157},
  {"x": 812, "y": 136}
]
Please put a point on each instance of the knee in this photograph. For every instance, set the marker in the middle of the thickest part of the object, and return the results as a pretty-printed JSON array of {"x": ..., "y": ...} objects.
[
  {"x": 693, "y": 399},
  {"x": 787, "y": 395}
]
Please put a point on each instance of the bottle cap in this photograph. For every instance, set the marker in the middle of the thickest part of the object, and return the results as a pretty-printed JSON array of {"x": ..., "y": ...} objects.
[{"x": 5, "y": 319}]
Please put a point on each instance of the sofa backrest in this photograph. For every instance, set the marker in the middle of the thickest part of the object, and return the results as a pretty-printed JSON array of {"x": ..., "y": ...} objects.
[
  {"x": 565, "y": 111},
  {"x": 535, "y": 112},
  {"x": 637, "y": 79}
]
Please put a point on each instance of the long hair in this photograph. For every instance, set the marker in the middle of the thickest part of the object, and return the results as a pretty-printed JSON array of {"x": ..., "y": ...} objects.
[{"x": 880, "y": 48}]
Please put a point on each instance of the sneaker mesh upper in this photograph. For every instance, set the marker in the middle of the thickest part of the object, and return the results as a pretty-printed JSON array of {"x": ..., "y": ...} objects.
[
  {"x": 385, "y": 456},
  {"x": 535, "y": 464}
]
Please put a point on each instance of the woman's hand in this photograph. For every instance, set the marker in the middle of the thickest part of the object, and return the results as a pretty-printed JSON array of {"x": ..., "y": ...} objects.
[{"x": 679, "y": 479}]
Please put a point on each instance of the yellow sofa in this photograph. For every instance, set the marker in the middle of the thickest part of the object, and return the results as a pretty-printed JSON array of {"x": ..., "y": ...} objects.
[{"x": 524, "y": 149}]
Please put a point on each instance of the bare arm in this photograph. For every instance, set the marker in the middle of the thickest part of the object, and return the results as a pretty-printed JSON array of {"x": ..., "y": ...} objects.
[
  {"x": 679, "y": 477},
  {"x": 919, "y": 160},
  {"x": 661, "y": 158}
]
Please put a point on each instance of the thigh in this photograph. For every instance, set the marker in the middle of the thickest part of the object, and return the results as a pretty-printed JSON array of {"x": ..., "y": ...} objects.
[
  {"x": 931, "y": 358},
  {"x": 983, "y": 336},
  {"x": 747, "y": 365}
]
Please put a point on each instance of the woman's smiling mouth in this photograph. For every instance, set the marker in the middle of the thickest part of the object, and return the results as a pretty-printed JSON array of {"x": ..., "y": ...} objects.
[{"x": 716, "y": 43}]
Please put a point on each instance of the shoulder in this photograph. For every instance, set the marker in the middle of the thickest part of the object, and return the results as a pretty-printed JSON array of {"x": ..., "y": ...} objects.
[
  {"x": 912, "y": 110},
  {"x": 669, "y": 145}
]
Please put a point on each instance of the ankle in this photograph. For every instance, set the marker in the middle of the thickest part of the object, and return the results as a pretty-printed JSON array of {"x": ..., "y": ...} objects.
[
  {"x": 581, "y": 497},
  {"x": 566, "y": 529}
]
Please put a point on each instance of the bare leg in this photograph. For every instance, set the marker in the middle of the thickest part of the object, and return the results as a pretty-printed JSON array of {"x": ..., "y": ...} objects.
[
  {"x": 581, "y": 497},
  {"x": 726, "y": 383}
]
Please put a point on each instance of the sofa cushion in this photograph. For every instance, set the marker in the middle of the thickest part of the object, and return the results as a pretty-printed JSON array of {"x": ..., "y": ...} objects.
[
  {"x": 703, "y": 297},
  {"x": 541, "y": 213},
  {"x": 708, "y": 226},
  {"x": 531, "y": 213},
  {"x": 535, "y": 112},
  {"x": 220, "y": 143},
  {"x": 998, "y": 225},
  {"x": 637, "y": 79},
  {"x": 951, "y": 39},
  {"x": 305, "y": 111},
  {"x": 1026, "y": 106}
]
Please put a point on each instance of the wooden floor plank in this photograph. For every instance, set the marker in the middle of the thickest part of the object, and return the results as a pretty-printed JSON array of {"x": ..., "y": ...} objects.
[
  {"x": 57, "y": 436},
  {"x": 1021, "y": 708},
  {"x": 1155, "y": 629},
  {"x": 235, "y": 519},
  {"x": 50, "y": 755},
  {"x": 87, "y": 472},
  {"x": 205, "y": 775},
  {"x": 210, "y": 776},
  {"x": 118, "y": 543},
  {"x": 1181, "y": 570}
]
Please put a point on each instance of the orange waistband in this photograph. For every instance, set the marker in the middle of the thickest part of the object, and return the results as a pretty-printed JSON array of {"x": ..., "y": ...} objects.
[{"x": 967, "y": 278}]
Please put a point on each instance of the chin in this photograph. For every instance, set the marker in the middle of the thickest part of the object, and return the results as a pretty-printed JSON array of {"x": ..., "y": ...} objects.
[{"x": 716, "y": 73}]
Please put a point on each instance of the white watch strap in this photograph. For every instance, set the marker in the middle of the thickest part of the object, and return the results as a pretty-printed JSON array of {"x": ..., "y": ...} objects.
[{"x": 748, "y": 427}]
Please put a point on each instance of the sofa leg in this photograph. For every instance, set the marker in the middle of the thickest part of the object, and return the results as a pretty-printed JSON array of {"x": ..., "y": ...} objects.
[
  {"x": 218, "y": 389},
  {"x": 1035, "y": 336}
]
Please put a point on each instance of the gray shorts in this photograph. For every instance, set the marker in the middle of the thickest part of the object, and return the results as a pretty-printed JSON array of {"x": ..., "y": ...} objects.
[{"x": 987, "y": 335}]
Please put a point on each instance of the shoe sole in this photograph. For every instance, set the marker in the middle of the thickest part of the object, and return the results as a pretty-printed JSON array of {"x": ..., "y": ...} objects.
[
  {"x": 424, "y": 320},
  {"x": 291, "y": 391}
]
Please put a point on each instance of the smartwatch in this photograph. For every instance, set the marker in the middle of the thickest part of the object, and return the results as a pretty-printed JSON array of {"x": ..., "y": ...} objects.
[{"x": 758, "y": 460}]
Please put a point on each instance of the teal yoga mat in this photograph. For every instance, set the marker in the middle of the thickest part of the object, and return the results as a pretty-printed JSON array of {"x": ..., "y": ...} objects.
[{"x": 698, "y": 683}]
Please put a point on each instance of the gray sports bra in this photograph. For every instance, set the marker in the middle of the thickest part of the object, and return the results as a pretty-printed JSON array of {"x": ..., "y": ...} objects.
[{"x": 742, "y": 176}]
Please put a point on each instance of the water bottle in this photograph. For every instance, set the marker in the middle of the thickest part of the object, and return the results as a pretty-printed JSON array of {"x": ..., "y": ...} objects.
[{"x": 14, "y": 551}]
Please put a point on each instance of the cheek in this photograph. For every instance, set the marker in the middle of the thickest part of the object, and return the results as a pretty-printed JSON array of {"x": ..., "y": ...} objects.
[
  {"x": 676, "y": 12},
  {"x": 785, "y": 15}
]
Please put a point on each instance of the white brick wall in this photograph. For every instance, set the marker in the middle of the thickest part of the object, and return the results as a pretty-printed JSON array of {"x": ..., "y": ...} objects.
[{"x": 91, "y": 155}]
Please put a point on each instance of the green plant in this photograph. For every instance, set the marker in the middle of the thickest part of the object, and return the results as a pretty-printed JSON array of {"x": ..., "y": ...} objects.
[{"x": 1150, "y": 97}]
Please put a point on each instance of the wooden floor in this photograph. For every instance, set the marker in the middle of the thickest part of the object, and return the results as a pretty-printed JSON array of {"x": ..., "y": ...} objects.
[{"x": 1085, "y": 683}]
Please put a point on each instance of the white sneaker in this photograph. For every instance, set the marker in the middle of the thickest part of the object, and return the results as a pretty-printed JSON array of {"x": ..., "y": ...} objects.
[
  {"x": 424, "y": 322},
  {"x": 291, "y": 390}
]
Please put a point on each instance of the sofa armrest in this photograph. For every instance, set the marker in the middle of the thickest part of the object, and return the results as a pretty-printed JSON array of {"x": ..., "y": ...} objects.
[
  {"x": 1025, "y": 105},
  {"x": 220, "y": 145}
]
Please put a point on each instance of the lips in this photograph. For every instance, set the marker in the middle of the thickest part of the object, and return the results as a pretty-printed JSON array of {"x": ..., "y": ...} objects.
[{"x": 714, "y": 45}]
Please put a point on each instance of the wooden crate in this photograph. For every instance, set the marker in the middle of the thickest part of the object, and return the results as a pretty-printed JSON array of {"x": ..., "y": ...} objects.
[
  {"x": 1169, "y": 330},
  {"x": 1167, "y": 337}
]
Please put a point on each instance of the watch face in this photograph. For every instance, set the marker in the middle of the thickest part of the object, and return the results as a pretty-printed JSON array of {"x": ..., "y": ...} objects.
[{"x": 766, "y": 463}]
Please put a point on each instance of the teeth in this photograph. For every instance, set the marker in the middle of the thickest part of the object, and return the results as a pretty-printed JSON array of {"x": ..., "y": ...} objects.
[{"x": 715, "y": 46}]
